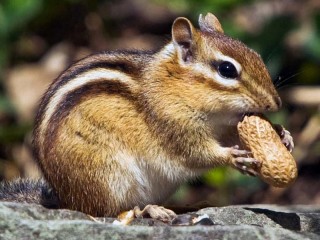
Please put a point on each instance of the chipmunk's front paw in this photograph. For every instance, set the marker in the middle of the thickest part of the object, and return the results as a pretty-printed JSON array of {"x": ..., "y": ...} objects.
[
  {"x": 155, "y": 212},
  {"x": 243, "y": 162},
  {"x": 285, "y": 136}
]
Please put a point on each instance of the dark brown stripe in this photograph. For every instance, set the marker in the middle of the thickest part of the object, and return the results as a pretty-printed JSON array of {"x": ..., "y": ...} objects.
[
  {"x": 98, "y": 61},
  {"x": 130, "y": 62},
  {"x": 78, "y": 95}
]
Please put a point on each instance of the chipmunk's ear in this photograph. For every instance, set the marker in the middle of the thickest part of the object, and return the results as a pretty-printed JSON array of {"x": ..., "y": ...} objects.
[
  {"x": 183, "y": 37},
  {"x": 209, "y": 23}
]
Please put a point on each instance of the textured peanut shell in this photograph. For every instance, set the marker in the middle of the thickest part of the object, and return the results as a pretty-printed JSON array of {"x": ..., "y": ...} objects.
[{"x": 278, "y": 167}]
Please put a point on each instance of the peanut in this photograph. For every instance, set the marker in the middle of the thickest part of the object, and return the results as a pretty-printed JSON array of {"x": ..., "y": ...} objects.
[{"x": 278, "y": 167}]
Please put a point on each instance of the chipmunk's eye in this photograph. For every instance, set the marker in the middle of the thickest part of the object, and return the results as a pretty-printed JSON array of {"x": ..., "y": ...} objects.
[{"x": 227, "y": 70}]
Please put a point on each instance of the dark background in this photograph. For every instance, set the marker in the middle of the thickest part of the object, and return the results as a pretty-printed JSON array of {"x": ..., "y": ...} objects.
[{"x": 39, "y": 39}]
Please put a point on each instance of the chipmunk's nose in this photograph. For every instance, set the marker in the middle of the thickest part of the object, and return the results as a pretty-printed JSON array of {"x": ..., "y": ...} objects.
[
  {"x": 275, "y": 105},
  {"x": 278, "y": 101}
]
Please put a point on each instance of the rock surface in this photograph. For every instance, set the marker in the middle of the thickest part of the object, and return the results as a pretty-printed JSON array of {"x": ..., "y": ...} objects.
[{"x": 28, "y": 221}]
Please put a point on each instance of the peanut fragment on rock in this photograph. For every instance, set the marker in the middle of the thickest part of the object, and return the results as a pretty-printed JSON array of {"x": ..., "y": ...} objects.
[{"x": 278, "y": 167}]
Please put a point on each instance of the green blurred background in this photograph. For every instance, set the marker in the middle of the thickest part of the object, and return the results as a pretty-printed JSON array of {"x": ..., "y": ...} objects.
[{"x": 38, "y": 39}]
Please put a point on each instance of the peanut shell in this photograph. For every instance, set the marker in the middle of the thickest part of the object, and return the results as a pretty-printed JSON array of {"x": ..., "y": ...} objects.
[{"x": 278, "y": 167}]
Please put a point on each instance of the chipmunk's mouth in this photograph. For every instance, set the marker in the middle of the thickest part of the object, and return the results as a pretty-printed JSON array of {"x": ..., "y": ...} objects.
[
  {"x": 240, "y": 116},
  {"x": 235, "y": 118},
  {"x": 247, "y": 114},
  {"x": 230, "y": 119}
]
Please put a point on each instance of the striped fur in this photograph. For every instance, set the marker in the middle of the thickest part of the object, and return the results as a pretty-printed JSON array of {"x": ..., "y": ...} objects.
[{"x": 120, "y": 129}]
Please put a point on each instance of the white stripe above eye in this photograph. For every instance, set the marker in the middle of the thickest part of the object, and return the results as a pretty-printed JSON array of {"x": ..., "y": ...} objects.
[
  {"x": 216, "y": 77},
  {"x": 221, "y": 57},
  {"x": 209, "y": 73},
  {"x": 213, "y": 75},
  {"x": 77, "y": 82},
  {"x": 228, "y": 82}
]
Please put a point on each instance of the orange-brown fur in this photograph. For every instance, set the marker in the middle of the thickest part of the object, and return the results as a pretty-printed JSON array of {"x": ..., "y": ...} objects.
[{"x": 132, "y": 136}]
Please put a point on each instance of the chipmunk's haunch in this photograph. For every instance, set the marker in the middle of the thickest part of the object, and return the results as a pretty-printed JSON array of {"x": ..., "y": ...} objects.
[{"x": 124, "y": 129}]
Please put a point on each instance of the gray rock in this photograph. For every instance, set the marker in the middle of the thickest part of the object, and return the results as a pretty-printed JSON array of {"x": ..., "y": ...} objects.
[{"x": 29, "y": 221}]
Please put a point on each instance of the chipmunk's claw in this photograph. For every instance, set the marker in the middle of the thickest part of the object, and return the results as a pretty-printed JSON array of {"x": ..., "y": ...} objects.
[
  {"x": 285, "y": 136},
  {"x": 156, "y": 212},
  {"x": 243, "y": 162}
]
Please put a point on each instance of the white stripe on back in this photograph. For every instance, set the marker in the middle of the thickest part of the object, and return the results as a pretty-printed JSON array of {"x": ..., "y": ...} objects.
[{"x": 94, "y": 75}]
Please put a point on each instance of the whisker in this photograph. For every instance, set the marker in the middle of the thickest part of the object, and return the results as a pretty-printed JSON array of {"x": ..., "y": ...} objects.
[
  {"x": 280, "y": 83},
  {"x": 284, "y": 86}
]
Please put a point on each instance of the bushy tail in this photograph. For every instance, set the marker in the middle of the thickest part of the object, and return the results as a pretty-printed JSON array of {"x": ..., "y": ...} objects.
[{"x": 29, "y": 191}]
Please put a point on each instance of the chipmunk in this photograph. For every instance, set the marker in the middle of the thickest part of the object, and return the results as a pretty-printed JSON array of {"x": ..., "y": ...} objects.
[{"x": 122, "y": 130}]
